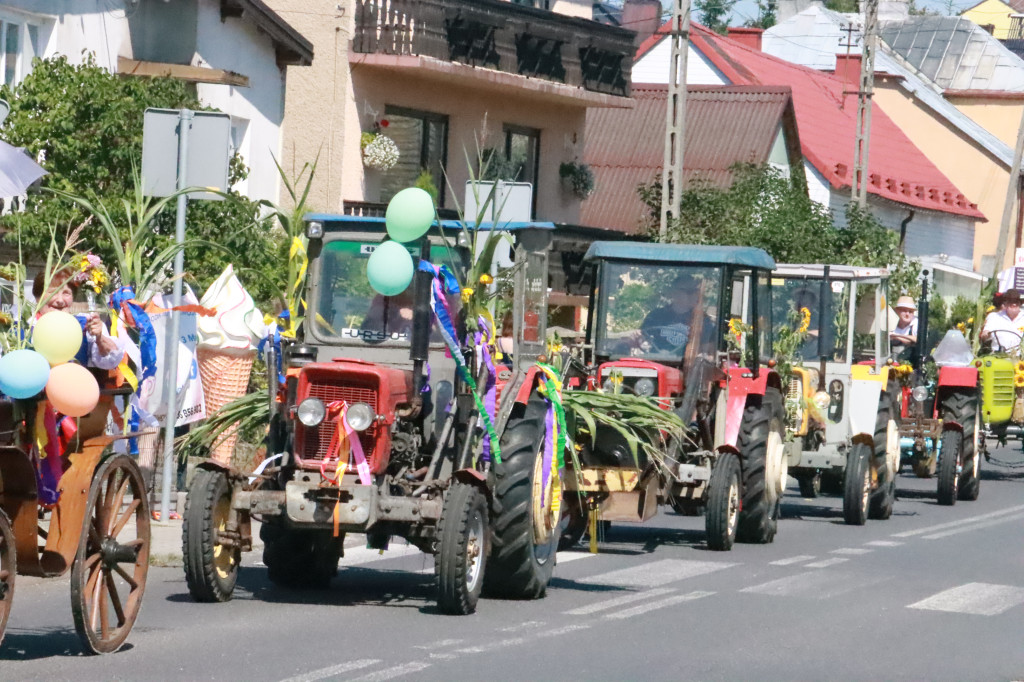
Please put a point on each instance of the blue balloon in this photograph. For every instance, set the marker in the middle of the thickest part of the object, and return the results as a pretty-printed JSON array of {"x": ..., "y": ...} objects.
[
  {"x": 23, "y": 374},
  {"x": 389, "y": 269}
]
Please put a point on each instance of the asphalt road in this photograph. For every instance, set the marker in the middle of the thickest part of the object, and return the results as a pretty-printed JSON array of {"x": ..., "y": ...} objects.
[{"x": 935, "y": 593}]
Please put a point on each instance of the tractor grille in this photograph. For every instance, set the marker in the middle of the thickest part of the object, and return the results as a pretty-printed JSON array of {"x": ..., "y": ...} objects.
[
  {"x": 315, "y": 441},
  {"x": 796, "y": 389},
  {"x": 1003, "y": 391}
]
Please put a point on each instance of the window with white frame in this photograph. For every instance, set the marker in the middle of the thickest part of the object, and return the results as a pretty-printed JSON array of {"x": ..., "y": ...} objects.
[{"x": 20, "y": 42}]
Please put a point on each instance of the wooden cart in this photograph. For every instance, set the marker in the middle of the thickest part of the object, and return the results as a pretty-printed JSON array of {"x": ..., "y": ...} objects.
[{"x": 99, "y": 528}]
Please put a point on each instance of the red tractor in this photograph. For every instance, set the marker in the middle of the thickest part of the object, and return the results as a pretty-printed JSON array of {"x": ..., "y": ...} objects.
[
  {"x": 688, "y": 326},
  {"x": 382, "y": 426}
]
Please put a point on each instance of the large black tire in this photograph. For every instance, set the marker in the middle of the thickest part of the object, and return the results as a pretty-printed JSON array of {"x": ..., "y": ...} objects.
[
  {"x": 963, "y": 409},
  {"x": 211, "y": 569},
  {"x": 831, "y": 483},
  {"x": 461, "y": 549},
  {"x": 524, "y": 532},
  {"x": 949, "y": 459},
  {"x": 300, "y": 558},
  {"x": 759, "y": 514},
  {"x": 810, "y": 485},
  {"x": 8, "y": 571},
  {"x": 857, "y": 485},
  {"x": 884, "y": 495},
  {"x": 721, "y": 517}
]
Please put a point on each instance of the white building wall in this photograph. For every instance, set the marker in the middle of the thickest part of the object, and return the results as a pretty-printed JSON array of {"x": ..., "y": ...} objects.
[
  {"x": 74, "y": 29},
  {"x": 256, "y": 111},
  {"x": 584, "y": 9},
  {"x": 653, "y": 67}
]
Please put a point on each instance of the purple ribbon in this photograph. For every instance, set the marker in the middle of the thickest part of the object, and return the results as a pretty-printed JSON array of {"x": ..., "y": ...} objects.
[
  {"x": 482, "y": 338},
  {"x": 549, "y": 451}
]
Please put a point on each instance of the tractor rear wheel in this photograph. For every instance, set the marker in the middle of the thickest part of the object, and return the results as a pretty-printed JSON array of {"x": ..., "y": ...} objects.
[
  {"x": 723, "y": 510},
  {"x": 211, "y": 567},
  {"x": 462, "y": 537},
  {"x": 949, "y": 461},
  {"x": 760, "y": 444},
  {"x": 300, "y": 558},
  {"x": 857, "y": 485},
  {"x": 962, "y": 407},
  {"x": 887, "y": 459},
  {"x": 524, "y": 510},
  {"x": 810, "y": 485}
]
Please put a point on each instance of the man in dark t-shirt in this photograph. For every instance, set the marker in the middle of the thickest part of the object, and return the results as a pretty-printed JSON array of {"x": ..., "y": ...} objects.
[{"x": 669, "y": 328}]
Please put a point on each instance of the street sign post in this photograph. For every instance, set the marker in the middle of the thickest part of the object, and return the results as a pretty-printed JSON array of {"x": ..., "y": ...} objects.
[{"x": 181, "y": 149}]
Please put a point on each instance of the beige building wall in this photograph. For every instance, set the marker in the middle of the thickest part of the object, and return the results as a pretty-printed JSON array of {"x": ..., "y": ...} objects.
[
  {"x": 474, "y": 113},
  {"x": 992, "y": 13},
  {"x": 979, "y": 175},
  {"x": 315, "y": 103},
  {"x": 998, "y": 115}
]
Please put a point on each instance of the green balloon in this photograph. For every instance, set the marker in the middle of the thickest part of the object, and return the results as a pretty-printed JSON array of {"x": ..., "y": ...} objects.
[
  {"x": 409, "y": 215},
  {"x": 389, "y": 269}
]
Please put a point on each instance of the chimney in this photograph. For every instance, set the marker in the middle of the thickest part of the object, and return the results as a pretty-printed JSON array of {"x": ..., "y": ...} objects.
[
  {"x": 848, "y": 68},
  {"x": 751, "y": 37},
  {"x": 642, "y": 16}
]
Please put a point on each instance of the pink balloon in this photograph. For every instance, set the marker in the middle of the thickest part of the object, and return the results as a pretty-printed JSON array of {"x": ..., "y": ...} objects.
[{"x": 72, "y": 390}]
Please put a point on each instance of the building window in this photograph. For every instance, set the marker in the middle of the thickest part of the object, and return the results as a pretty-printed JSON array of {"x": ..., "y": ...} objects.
[
  {"x": 422, "y": 139},
  {"x": 19, "y": 43},
  {"x": 539, "y": 4},
  {"x": 522, "y": 149}
]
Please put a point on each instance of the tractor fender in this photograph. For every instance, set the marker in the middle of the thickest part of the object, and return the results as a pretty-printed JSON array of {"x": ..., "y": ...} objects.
[
  {"x": 958, "y": 377},
  {"x": 864, "y": 438},
  {"x": 741, "y": 385},
  {"x": 527, "y": 385},
  {"x": 865, "y": 391},
  {"x": 952, "y": 426}
]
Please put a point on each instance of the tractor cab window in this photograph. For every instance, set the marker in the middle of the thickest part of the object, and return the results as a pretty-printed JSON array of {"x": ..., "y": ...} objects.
[
  {"x": 871, "y": 324},
  {"x": 664, "y": 313},
  {"x": 348, "y": 310},
  {"x": 814, "y": 325}
]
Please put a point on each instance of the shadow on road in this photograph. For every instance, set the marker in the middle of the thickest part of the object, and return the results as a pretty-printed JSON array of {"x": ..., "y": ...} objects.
[{"x": 30, "y": 645}]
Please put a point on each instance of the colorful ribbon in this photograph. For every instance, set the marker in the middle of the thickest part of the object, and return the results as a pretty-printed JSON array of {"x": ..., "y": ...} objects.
[
  {"x": 445, "y": 283},
  {"x": 48, "y": 464},
  {"x": 554, "y": 435}
]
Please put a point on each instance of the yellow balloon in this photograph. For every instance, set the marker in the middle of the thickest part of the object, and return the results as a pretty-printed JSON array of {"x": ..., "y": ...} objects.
[{"x": 57, "y": 336}]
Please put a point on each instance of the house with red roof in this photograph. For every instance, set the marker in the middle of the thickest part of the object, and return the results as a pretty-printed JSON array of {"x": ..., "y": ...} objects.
[{"x": 907, "y": 192}]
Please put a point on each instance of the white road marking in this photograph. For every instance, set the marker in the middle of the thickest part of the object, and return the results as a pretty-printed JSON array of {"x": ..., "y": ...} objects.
[
  {"x": 884, "y": 543},
  {"x": 812, "y": 584},
  {"x": 792, "y": 560},
  {"x": 567, "y": 556},
  {"x": 657, "y": 573},
  {"x": 439, "y": 644},
  {"x": 664, "y": 603},
  {"x": 522, "y": 626},
  {"x": 851, "y": 551},
  {"x": 444, "y": 657},
  {"x": 341, "y": 668},
  {"x": 975, "y": 526},
  {"x": 564, "y": 630},
  {"x": 479, "y": 649},
  {"x": 618, "y": 601},
  {"x": 825, "y": 563},
  {"x": 391, "y": 673},
  {"x": 962, "y": 522},
  {"x": 981, "y": 599}
]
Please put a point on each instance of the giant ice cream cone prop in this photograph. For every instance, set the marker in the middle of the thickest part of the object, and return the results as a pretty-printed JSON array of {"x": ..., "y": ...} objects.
[{"x": 227, "y": 346}]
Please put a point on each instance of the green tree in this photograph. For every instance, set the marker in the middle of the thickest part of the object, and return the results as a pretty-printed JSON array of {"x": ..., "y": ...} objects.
[
  {"x": 765, "y": 209},
  {"x": 87, "y": 124},
  {"x": 715, "y": 14}
]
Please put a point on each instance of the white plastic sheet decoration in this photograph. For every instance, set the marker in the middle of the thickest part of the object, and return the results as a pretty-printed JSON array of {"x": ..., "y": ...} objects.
[{"x": 189, "y": 387}]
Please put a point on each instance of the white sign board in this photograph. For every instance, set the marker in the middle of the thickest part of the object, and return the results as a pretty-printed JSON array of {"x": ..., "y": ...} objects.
[
  {"x": 513, "y": 201},
  {"x": 209, "y": 153}
]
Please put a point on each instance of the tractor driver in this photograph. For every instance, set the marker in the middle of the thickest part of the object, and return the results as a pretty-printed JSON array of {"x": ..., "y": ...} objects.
[{"x": 668, "y": 328}]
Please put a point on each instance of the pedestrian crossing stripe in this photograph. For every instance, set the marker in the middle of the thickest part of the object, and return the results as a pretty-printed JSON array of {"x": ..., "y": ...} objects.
[{"x": 979, "y": 599}]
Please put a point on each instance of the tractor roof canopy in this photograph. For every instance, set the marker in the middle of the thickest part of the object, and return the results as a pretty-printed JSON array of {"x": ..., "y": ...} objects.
[
  {"x": 844, "y": 272},
  {"x": 744, "y": 256}
]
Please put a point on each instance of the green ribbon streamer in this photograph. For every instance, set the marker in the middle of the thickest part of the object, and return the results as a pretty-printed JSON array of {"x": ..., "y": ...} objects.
[{"x": 553, "y": 395}]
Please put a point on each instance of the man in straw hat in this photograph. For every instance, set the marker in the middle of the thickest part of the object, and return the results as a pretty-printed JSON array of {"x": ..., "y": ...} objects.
[
  {"x": 1004, "y": 328},
  {"x": 904, "y": 336}
]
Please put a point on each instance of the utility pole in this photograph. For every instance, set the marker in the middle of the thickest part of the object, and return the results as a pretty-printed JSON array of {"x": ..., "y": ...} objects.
[
  {"x": 859, "y": 184},
  {"x": 675, "y": 115}
]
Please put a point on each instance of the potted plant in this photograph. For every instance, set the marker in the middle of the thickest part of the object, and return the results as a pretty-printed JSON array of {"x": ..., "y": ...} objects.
[
  {"x": 380, "y": 152},
  {"x": 577, "y": 178}
]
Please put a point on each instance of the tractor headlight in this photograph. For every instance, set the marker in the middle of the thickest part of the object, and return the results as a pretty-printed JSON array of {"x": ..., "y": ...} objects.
[
  {"x": 315, "y": 229},
  {"x": 644, "y": 387},
  {"x": 822, "y": 400},
  {"x": 920, "y": 393},
  {"x": 360, "y": 416},
  {"x": 311, "y": 412}
]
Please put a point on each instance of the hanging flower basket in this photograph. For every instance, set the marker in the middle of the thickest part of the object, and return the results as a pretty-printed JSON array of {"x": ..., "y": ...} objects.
[
  {"x": 577, "y": 179},
  {"x": 379, "y": 152}
]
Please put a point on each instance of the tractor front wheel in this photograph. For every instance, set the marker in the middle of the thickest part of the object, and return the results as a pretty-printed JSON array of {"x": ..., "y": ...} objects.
[
  {"x": 949, "y": 461},
  {"x": 723, "y": 509},
  {"x": 761, "y": 448},
  {"x": 887, "y": 460},
  {"x": 963, "y": 409},
  {"x": 857, "y": 485},
  {"x": 461, "y": 549},
  {"x": 211, "y": 567}
]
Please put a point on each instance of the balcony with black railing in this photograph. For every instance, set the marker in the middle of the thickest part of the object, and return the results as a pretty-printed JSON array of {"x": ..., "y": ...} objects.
[{"x": 500, "y": 36}]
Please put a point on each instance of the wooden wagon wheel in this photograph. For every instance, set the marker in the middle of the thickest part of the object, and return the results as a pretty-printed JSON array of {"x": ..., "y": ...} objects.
[
  {"x": 108, "y": 575},
  {"x": 7, "y": 571}
]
